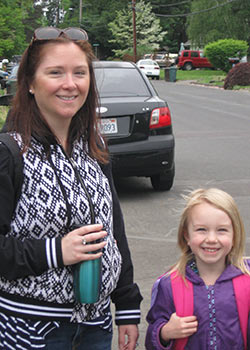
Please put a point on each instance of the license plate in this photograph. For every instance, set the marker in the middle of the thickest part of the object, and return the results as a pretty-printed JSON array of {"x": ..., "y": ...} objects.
[
  {"x": 108, "y": 126},
  {"x": 149, "y": 73}
]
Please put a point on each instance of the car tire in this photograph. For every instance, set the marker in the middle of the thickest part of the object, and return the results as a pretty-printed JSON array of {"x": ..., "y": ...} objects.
[
  {"x": 188, "y": 66},
  {"x": 157, "y": 78},
  {"x": 163, "y": 181}
]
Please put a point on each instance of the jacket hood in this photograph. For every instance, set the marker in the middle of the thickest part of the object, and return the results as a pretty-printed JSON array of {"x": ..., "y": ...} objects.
[{"x": 230, "y": 272}]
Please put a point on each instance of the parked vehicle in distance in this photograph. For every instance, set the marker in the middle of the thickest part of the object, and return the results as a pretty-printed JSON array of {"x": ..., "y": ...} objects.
[
  {"x": 191, "y": 59},
  {"x": 3, "y": 78},
  {"x": 150, "y": 68},
  {"x": 235, "y": 60},
  {"x": 171, "y": 58},
  {"x": 137, "y": 124},
  {"x": 135, "y": 121},
  {"x": 161, "y": 59},
  {"x": 148, "y": 56},
  {"x": 11, "y": 83}
]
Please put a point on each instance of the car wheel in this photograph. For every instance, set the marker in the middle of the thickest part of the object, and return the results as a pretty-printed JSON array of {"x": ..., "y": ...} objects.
[
  {"x": 157, "y": 77},
  {"x": 188, "y": 66},
  {"x": 163, "y": 181}
]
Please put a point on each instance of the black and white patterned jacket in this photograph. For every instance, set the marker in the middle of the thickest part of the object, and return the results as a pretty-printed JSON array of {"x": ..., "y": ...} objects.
[{"x": 34, "y": 283}]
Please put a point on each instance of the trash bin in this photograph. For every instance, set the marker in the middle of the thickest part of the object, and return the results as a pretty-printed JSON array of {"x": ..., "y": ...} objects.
[{"x": 170, "y": 74}]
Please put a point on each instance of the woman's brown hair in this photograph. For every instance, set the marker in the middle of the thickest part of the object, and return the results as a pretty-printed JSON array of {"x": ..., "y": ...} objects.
[{"x": 26, "y": 119}]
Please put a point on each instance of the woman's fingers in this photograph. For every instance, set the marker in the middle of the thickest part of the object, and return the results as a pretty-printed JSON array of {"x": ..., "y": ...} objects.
[
  {"x": 88, "y": 228},
  {"x": 88, "y": 238},
  {"x": 94, "y": 248},
  {"x": 84, "y": 243}
]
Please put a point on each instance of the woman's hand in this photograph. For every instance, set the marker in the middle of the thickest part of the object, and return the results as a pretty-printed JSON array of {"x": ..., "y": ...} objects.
[
  {"x": 179, "y": 327},
  {"x": 76, "y": 245},
  {"x": 128, "y": 335}
]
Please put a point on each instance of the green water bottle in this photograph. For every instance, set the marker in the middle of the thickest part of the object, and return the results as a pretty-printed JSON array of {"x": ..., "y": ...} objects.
[{"x": 87, "y": 279}]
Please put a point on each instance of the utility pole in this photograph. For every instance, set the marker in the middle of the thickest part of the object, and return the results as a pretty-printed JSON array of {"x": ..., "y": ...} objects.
[
  {"x": 58, "y": 13},
  {"x": 134, "y": 28},
  {"x": 80, "y": 12}
]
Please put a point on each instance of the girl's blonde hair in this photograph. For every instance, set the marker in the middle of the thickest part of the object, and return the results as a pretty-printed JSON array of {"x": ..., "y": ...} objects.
[{"x": 223, "y": 201}]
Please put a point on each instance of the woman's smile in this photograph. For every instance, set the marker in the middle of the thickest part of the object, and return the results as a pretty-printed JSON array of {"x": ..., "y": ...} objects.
[{"x": 67, "y": 98}]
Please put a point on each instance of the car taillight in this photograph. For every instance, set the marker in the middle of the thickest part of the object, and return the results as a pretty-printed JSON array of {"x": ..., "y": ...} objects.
[
  {"x": 160, "y": 117},
  {"x": 142, "y": 67},
  {"x": 157, "y": 68}
]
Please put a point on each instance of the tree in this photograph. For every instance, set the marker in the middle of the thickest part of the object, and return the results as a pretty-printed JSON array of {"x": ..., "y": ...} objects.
[
  {"x": 96, "y": 17},
  {"x": 221, "y": 22},
  {"x": 70, "y": 11},
  {"x": 176, "y": 25},
  {"x": 96, "y": 14},
  {"x": 18, "y": 19},
  {"x": 220, "y": 51},
  {"x": 11, "y": 29},
  {"x": 34, "y": 18},
  {"x": 148, "y": 30}
]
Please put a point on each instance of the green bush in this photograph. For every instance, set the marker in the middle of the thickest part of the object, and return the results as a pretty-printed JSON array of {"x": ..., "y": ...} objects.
[
  {"x": 238, "y": 75},
  {"x": 220, "y": 51}
]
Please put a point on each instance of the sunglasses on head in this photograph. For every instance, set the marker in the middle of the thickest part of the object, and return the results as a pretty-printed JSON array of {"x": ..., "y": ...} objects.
[{"x": 48, "y": 33}]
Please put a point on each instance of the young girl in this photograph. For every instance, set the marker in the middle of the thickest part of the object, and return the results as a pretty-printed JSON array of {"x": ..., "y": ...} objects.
[{"x": 211, "y": 237}]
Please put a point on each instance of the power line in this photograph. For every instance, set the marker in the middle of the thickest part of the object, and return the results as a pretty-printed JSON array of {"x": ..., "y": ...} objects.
[
  {"x": 170, "y": 5},
  {"x": 197, "y": 12}
]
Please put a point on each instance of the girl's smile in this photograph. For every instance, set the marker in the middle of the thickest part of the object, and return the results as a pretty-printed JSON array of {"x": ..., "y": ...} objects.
[{"x": 209, "y": 236}]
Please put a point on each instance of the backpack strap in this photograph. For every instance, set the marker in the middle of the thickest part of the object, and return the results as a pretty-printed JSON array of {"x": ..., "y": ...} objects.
[
  {"x": 183, "y": 297},
  {"x": 241, "y": 286},
  {"x": 16, "y": 170},
  {"x": 183, "y": 300},
  {"x": 155, "y": 288}
]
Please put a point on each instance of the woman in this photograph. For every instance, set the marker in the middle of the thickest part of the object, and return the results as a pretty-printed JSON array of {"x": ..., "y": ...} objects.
[{"x": 67, "y": 184}]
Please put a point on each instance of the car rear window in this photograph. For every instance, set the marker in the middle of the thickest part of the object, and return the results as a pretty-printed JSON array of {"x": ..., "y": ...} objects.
[
  {"x": 112, "y": 82},
  {"x": 159, "y": 57}
]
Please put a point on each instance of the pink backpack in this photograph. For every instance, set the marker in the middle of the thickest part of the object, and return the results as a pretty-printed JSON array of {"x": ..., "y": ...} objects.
[{"x": 184, "y": 305}]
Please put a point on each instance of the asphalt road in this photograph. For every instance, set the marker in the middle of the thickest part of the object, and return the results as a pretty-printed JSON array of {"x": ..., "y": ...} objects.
[{"x": 212, "y": 132}]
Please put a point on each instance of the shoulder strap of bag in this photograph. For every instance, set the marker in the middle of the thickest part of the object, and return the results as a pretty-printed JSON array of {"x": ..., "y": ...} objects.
[
  {"x": 183, "y": 301},
  {"x": 241, "y": 286},
  {"x": 17, "y": 168}
]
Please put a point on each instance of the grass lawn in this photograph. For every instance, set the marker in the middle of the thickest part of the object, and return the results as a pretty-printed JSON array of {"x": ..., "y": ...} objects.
[
  {"x": 3, "y": 114},
  {"x": 3, "y": 110},
  {"x": 203, "y": 76}
]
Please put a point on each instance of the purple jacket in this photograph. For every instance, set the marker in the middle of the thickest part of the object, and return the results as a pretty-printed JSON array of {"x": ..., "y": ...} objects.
[{"x": 228, "y": 332}]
